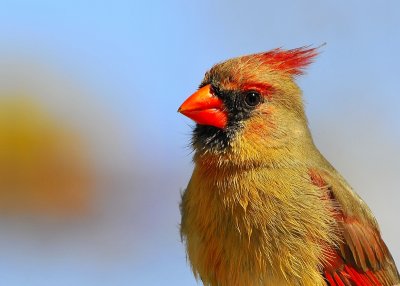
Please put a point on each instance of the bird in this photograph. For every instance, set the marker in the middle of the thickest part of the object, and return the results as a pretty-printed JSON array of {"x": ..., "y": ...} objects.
[{"x": 263, "y": 206}]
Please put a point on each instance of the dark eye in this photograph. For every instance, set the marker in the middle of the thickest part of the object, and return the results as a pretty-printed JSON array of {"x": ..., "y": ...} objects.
[{"x": 252, "y": 98}]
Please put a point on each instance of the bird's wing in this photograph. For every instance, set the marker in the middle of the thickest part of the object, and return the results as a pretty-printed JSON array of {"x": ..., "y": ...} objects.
[{"x": 361, "y": 258}]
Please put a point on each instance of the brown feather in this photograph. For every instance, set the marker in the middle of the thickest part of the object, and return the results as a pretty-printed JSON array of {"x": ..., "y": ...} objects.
[
  {"x": 363, "y": 251},
  {"x": 264, "y": 207}
]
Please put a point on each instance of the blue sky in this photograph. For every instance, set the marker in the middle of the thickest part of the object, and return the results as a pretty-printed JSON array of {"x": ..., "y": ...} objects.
[{"x": 140, "y": 60}]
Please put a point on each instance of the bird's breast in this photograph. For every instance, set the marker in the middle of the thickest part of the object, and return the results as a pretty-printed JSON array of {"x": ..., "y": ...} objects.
[{"x": 245, "y": 226}]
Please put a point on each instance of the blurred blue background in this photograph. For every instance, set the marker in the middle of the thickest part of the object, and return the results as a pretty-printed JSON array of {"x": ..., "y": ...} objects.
[{"x": 110, "y": 75}]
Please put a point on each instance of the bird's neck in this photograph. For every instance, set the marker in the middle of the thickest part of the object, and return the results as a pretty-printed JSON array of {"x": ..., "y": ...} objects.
[{"x": 299, "y": 152}]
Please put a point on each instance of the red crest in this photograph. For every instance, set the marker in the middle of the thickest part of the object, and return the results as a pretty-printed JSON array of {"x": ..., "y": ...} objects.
[{"x": 291, "y": 61}]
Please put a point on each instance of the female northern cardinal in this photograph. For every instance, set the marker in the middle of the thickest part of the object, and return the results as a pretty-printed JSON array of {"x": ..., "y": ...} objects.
[{"x": 263, "y": 206}]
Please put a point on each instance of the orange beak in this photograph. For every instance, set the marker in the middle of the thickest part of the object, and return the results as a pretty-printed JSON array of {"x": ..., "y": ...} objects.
[{"x": 205, "y": 108}]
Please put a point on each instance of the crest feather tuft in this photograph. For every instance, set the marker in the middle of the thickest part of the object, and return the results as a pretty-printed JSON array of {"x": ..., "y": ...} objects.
[{"x": 291, "y": 61}]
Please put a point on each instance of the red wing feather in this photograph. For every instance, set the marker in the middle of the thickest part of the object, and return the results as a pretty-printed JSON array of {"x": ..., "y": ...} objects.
[{"x": 362, "y": 258}]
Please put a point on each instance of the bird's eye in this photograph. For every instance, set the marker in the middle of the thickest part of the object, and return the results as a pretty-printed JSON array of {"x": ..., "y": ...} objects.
[{"x": 252, "y": 98}]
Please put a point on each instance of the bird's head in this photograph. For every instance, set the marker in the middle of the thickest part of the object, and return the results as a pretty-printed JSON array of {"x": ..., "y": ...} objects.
[{"x": 248, "y": 105}]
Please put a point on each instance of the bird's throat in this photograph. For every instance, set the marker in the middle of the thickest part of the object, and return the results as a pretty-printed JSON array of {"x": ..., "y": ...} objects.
[{"x": 210, "y": 138}]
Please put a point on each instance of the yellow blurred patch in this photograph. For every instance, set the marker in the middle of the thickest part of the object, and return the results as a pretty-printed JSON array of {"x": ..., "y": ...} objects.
[{"x": 44, "y": 169}]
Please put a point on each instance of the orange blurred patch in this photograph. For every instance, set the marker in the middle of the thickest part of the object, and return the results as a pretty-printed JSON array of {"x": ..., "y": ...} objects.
[{"x": 44, "y": 169}]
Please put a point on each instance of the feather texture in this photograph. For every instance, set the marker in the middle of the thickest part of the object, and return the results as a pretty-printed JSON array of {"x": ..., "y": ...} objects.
[
  {"x": 361, "y": 258},
  {"x": 292, "y": 61},
  {"x": 263, "y": 206}
]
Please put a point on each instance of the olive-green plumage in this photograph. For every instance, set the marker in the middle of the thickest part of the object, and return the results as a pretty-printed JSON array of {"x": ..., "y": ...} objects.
[{"x": 263, "y": 206}]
